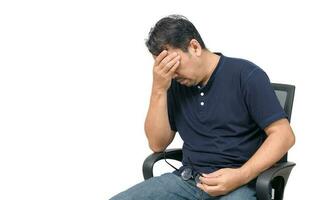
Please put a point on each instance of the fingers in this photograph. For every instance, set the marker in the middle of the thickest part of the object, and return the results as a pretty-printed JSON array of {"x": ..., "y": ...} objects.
[
  {"x": 211, "y": 190},
  {"x": 164, "y": 69},
  {"x": 213, "y": 174},
  {"x": 209, "y": 181},
  {"x": 164, "y": 60},
  {"x": 206, "y": 187},
  {"x": 173, "y": 69},
  {"x": 167, "y": 67},
  {"x": 201, "y": 186},
  {"x": 167, "y": 63},
  {"x": 160, "y": 57},
  {"x": 168, "y": 58}
]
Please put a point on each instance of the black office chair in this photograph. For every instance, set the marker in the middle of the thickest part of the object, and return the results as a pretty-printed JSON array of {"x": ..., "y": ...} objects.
[{"x": 271, "y": 183}]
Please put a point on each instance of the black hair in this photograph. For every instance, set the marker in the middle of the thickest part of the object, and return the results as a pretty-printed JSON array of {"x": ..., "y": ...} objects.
[{"x": 175, "y": 31}]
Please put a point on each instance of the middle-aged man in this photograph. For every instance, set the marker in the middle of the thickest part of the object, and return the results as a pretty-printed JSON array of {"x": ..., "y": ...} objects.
[{"x": 225, "y": 111}]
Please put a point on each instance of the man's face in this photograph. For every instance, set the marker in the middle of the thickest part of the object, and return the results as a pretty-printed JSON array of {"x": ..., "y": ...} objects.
[{"x": 186, "y": 73}]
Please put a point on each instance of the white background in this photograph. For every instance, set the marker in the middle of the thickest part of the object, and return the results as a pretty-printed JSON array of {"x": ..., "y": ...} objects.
[{"x": 75, "y": 81}]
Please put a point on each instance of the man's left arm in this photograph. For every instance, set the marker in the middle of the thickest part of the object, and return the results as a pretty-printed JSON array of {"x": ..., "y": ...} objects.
[{"x": 280, "y": 138}]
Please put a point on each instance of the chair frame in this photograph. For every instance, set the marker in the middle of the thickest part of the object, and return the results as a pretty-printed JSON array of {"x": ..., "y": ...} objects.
[{"x": 271, "y": 183}]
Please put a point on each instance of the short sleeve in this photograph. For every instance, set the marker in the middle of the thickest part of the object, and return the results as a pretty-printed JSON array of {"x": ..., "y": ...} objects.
[
  {"x": 170, "y": 109},
  {"x": 260, "y": 99}
]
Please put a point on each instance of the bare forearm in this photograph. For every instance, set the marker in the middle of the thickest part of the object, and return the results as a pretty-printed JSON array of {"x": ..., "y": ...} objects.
[
  {"x": 157, "y": 125},
  {"x": 274, "y": 147}
]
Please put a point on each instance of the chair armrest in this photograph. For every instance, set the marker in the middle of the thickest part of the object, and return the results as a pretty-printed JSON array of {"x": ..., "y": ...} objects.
[
  {"x": 175, "y": 154},
  {"x": 271, "y": 183}
]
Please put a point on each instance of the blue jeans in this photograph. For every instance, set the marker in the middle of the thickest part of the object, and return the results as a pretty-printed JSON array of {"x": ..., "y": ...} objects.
[{"x": 172, "y": 187}]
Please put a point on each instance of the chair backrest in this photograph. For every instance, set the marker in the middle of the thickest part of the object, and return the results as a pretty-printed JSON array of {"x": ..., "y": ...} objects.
[{"x": 285, "y": 94}]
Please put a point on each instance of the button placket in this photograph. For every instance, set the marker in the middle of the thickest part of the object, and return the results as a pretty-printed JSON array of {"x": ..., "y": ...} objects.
[
  {"x": 201, "y": 96},
  {"x": 202, "y": 101}
]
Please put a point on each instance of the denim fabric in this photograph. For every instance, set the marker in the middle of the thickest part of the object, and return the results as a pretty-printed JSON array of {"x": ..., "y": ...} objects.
[{"x": 171, "y": 187}]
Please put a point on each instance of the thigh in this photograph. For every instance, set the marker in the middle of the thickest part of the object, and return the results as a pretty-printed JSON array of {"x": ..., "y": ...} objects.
[
  {"x": 166, "y": 186},
  {"x": 245, "y": 192}
]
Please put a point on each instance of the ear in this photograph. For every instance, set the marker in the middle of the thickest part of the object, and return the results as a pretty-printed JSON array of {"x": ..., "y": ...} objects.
[{"x": 195, "y": 47}]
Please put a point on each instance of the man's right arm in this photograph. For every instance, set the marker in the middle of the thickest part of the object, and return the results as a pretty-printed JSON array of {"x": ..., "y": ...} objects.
[{"x": 157, "y": 126}]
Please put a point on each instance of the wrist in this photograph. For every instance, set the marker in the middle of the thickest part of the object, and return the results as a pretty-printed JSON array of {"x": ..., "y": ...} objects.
[
  {"x": 246, "y": 174},
  {"x": 158, "y": 91}
]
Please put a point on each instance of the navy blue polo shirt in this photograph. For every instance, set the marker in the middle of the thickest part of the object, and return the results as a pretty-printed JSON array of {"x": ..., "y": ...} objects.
[{"x": 221, "y": 124}]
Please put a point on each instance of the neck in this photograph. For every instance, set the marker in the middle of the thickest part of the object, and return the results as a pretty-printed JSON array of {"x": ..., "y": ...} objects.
[{"x": 210, "y": 61}]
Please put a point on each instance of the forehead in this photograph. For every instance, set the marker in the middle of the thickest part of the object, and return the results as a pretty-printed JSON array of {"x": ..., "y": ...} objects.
[{"x": 171, "y": 50}]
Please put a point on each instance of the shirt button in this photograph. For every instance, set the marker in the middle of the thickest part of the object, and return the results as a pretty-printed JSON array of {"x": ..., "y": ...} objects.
[
  {"x": 199, "y": 86},
  {"x": 202, "y": 103},
  {"x": 202, "y": 94}
]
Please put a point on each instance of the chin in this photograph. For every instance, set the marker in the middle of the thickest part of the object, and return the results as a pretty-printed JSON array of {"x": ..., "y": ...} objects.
[
  {"x": 186, "y": 82},
  {"x": 189, "y": 83}
]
